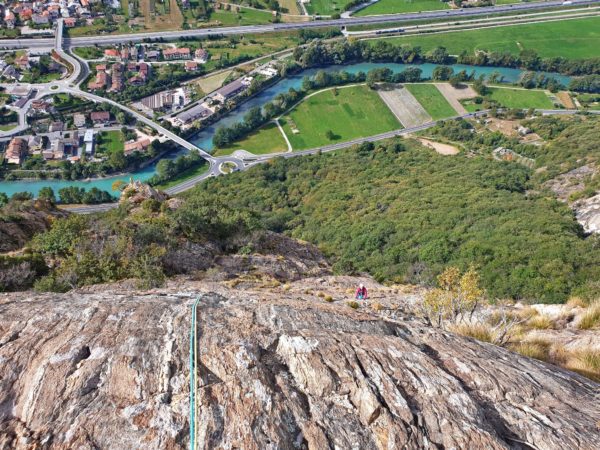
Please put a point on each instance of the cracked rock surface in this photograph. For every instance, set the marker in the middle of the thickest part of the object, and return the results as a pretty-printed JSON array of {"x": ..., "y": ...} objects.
[{"x": 108, "y": 369}]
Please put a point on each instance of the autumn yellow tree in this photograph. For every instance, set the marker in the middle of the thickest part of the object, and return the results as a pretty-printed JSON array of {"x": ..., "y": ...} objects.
[{"x": 455, "y": 298}]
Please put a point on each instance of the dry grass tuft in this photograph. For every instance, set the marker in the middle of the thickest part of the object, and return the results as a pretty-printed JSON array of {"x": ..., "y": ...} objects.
[
  {"x": 585, "y": 361},
  {"x": 534, "y": 348},
  {"x": 377, "y": 306},
  {"x": 541, "y": 322},
  {"x": 480, "y": 331},
  {"x": 353, "y": 304},
  {"x": 591, "y": 317},
  {"x": 577, "y": 302},
  {"x": 328, "y": 298},
  {"x": 527, "y": 313}
]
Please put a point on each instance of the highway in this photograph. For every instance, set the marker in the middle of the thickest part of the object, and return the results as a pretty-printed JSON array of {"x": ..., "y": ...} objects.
[{"x": 269, "y": 28}]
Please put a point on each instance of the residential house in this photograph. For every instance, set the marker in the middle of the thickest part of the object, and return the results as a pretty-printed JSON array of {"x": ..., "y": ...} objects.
[
  {"x": 111, "y": 53},
  {"x": 191, "y": 66},
  {"x": 152, "y": 55},
  {"x": 16, "y": 151},
  {"x": 22, "y": 62},
  {"x": 40, "y": 107},
  {"x": 158, "y": 101},
  {"x": 71, "y": 143},
  {"x": 117, "y": 78},
  {"x": 100, "y": 82},
  {"x": 100, "y": 117},
  {"x": 201, "y": 56},
  {"x": 12, "y": 73},
  {"x": 79, "y": 120},
  {"x": 9, "y": 19},
  {"x": 101, "y": 68},
  {"x": 35, "y": 144},
  {"x": 125, "y": 53},
  {"x": 56, "y": 126},
  {"x": 39, "y": 19},
  {"x": 58, "y": 148},
  {"x": 70, "y": 22},
  {"x": 88, "y": 140},
  {"x": 176, "y": 53},
  {"x": 136, "y": 146}
]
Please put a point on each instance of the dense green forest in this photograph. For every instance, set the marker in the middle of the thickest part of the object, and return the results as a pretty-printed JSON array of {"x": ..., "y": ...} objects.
[
  {"x": 403, "y": 213},
  {"x": 394, "y": 209}
]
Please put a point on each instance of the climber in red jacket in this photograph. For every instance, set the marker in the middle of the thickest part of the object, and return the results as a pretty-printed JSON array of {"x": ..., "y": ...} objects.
[{"x": 361, "y": 292}]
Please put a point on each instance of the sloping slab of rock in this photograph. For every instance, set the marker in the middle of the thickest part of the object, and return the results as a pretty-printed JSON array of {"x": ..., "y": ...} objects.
[
  {"x": 314, "y": 375},
  {"x": 403, "y": 104},
  {"x": 93, "y": 371}
]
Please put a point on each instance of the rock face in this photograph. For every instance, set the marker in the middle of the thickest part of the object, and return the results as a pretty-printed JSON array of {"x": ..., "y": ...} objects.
[
  {"x": 18, "y": 223},
  {"x": 280, "y": 368},
  {"x": 93, "y": 372},
  {"x": 587, "y": 212}
]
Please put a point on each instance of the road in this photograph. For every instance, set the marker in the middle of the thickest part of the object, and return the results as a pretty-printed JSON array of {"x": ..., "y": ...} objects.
[{"x": 278, "y": 27}]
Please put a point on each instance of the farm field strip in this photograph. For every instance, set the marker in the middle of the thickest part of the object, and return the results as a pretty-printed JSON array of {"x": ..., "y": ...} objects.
[
  {"x": 401, "y": 6},
  {"x": 548, "y": 39},
  {"x": 432, "y": 100},
  {"x": 404, "y": 105}
]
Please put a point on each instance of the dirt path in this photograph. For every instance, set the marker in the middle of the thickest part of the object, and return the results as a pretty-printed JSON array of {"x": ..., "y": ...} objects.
[
  {"x": 442, "y": 149},
  {"x": 454, "y": 95},
  {"x": 403, "y": 105}
]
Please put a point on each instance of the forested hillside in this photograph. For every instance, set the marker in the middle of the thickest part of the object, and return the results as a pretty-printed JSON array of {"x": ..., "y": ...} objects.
[{"x": 402, "y": 213}]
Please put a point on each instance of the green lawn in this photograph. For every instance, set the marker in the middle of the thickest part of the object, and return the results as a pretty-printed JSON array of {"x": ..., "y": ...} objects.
[
  {"x": 326, "y": 7},
  {"x": 569, "y": 38},
  {"x": 110, "y": 141},
  {"x": 267, "y": 139},
  {"x": 354, "y": 112},
  {"x": 88, "y": 52},
  {"x": 401, "y": 6},
  {"x": 244, "y": 17},
  {"x": 432, "y": 100},
  {"x": 184, "y": 176},
  {"x": 521, "y": 98},
  {"x": 8, "y": 126}
]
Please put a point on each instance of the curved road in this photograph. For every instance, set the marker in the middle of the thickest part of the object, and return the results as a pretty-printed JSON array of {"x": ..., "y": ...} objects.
[{"x": 255, "y": 29}]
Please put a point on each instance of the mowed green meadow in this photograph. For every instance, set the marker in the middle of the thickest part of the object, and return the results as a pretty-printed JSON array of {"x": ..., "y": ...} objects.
[
  {"x": 401, "y": 6},
  {"x": 521, "y": 98},
  {"x": 571, "y": 39},
  {"x": 267, "y": 139},
  {"x": 352, "y": 113},
  {"x": 326, "y": 7},
  {"x": 432, "y": 100}
]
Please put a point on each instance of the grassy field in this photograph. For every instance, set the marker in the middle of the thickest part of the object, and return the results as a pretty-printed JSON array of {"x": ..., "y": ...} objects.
[
  {"x": 401, "y": 6},
  {"x": 353, "y": 113},
  {"x": 432, "y": 100},
  {"x": 326, "y": 7},
  {"x": 88, "y": 52},
  {"x": 290, "y": 7},
  {"x": 110, "y": 141},
  {"x": 212, "y": 82},
  {"x": 243, "y": 17},
  {"x": 267, "y": 139},
  {"x": 184, "y": 176},
  {"x": 521, "y": 98},
  {"x": 570, "y": 38}
]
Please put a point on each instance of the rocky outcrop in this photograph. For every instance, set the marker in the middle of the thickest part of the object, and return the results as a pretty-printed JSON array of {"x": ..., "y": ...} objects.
[
  {"x": 20, "y": 221},
  {"x": 136, "y": 192},
  {"x": 587, "y": 212},
  {"x": 280, "y": 368}
]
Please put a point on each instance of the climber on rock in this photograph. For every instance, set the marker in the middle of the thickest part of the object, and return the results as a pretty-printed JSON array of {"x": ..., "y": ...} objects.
[{"x": 361, "y": 292}]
